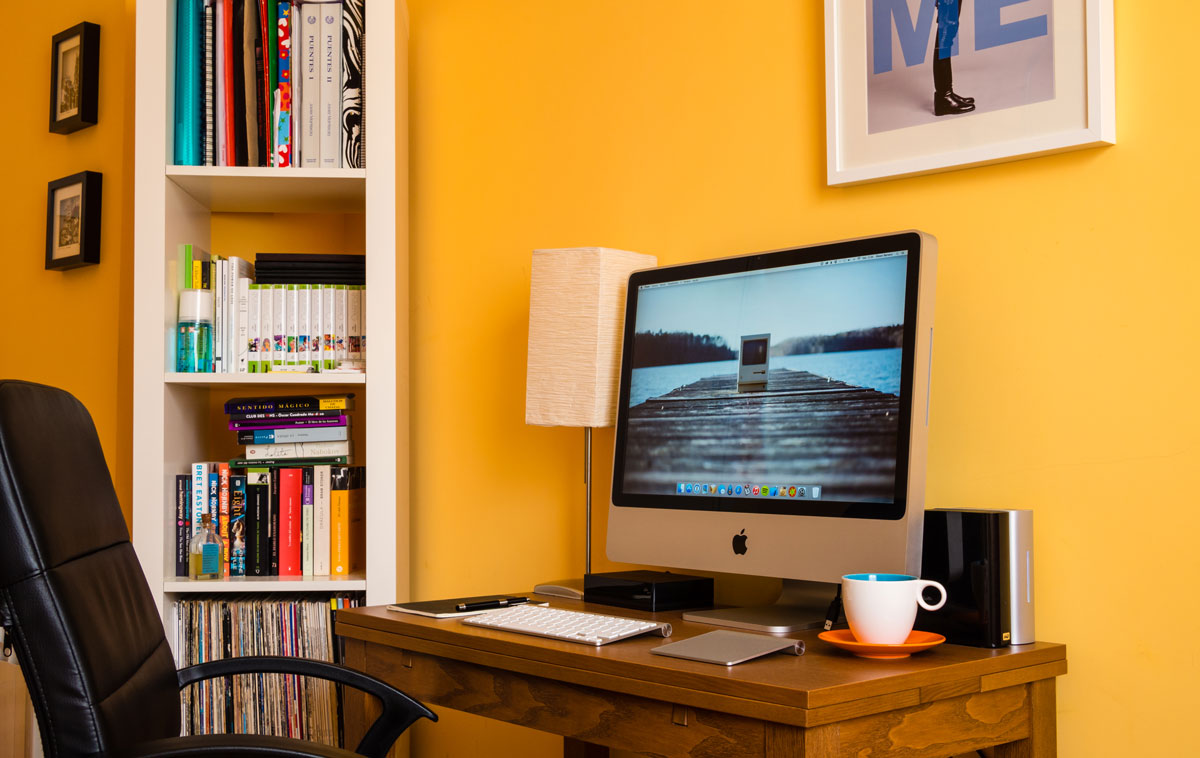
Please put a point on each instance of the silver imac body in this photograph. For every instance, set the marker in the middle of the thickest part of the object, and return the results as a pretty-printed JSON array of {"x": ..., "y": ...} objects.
[{"x": 820, "y": 473}]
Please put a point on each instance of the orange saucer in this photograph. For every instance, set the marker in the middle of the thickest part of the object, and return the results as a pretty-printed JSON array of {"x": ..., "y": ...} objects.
[{"x": 916, "y": 642}]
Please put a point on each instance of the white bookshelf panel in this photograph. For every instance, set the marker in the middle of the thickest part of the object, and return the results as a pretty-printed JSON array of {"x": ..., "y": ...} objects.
[
  {"x": 263, "y": 380},
  {"x": 273, "y": 190},
  {"x": 355, "y": 582}
]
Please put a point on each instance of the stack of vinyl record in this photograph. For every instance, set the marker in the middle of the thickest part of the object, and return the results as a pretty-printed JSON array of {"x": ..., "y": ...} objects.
[{"x": 301, "y": 268}]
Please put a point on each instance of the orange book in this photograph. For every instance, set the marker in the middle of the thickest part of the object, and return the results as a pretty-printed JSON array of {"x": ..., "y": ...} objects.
[{"x": 347, "y": 525}]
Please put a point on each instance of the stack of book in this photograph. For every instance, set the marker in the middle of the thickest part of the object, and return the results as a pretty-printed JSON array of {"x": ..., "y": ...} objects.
[
  {"x": 269, "y": 83},
  {"x": 270, "y": 704},
  {"x": 292, "y": 506},
  {"x": 283, "y": 312}
]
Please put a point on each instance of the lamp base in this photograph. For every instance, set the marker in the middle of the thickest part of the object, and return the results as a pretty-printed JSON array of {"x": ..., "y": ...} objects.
[{"x": 568, "y": 588}]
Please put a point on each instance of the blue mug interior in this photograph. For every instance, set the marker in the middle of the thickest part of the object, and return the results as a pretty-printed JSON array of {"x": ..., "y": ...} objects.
[{"x": 879, "y": 577}]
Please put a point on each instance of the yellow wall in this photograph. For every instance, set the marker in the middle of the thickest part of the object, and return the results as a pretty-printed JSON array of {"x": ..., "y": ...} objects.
[
  {"x": 70, "y": 329},
  {"x": 1066, "y": 307}
]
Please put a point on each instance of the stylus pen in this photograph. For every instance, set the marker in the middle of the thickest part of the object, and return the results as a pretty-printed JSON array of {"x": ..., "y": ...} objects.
[{"x": 488, "y": 605}]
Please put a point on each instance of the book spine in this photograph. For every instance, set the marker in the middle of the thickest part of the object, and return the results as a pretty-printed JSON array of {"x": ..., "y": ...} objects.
[
  {"x": 283, "y": 137},
  {"x": 227, "y": 83},
  {"x": 329, "y": 62},
  {"x": 214, "y": 494},
  {"x": 238, "y": 80},
  {"x": 229, "y": 283},
  {"x": 273, "y": 522},
  {"x": 327, "y": 308},
  {"x": 188, "y": 41},
  {"x": 270, "y": 41},
  {"x": 283, "y": 414},
  {"x": 306, "y": 527},
  {"x": 299, "y": 450},
  {"x": 222, "y": 154},
  {"x": 199, "y": 494},
  {"x": 253, "y": 322},
  {"x": 183, "y": 523},
  {"x": 286, "y": 436},
  {"x": 362, "y": 324},
  {"x": 279, "y": 324},
  {"x": 339, "y": 520},
  {"x": 303, "y": 295},
  {"x": 243, "y": 325},
  {"x": 290, "y": 522},
  {"x": 314, "y": 326},
  {"x": 321, "y": 515},
  {"x": 274, "y": 463},
  {"x": 184, "y": 262},
  {"x": 223, "y": 510},
  {"x": 288, "y": 424},
  {"x": 310, "y": 92},
  {"x": 258, "y": 495},
  {"x": 273, "y": 405},
  {"x": 237, "y": 525},
  {"x": 292, "y": 315},
  {"x": 219, "y": 317},
  {"x": 352, "y": 83},
  {"x": 353, "y": 324},
  {"x": 340, "y": 317},
  {"x": 250, "y": 80}
]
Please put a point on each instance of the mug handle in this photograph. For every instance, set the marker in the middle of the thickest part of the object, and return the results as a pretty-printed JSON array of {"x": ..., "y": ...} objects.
[{"x": 921, "y": 598}]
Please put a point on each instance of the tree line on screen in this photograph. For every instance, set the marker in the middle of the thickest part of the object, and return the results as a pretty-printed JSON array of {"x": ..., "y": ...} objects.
[{"x": 672, "y": 348}]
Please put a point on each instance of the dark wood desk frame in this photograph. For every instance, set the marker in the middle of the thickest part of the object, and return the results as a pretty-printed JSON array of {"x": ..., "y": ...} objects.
[{"x": 943, "y": 702}]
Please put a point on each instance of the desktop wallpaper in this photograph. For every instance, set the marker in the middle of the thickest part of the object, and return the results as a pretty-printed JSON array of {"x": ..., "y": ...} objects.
[{"x": 825, "y": 426}]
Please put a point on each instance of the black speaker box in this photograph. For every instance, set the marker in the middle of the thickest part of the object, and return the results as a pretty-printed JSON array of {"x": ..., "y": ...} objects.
[{"x": 649, "y": 590}]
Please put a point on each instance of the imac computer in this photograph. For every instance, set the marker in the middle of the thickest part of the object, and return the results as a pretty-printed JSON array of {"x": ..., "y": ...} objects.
[{"x": 772, "y": 419}]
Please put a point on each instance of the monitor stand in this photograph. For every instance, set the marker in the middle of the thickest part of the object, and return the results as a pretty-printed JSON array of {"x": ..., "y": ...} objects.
[{"x": 801, "y": 605}]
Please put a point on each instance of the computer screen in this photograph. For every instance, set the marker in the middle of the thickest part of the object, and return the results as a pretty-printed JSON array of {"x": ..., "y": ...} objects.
[{"x": 771, "y": 417}]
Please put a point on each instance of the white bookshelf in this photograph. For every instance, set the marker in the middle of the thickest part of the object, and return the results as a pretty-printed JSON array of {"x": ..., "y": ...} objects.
[{"x": 173, "y": 424}]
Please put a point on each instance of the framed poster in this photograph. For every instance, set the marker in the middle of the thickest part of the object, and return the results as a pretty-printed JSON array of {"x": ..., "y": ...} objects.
[
  {"x": 73, "y": 221},
  {"x": 74, "y": 78},
  {"x": 918, "y": 86}
]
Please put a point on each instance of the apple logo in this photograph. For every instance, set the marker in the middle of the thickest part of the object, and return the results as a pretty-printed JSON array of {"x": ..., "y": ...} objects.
[{"x": 739, "y": 543}]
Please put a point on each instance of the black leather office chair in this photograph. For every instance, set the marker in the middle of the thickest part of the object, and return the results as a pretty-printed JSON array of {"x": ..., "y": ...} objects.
[{"x": 76, "y": 606}]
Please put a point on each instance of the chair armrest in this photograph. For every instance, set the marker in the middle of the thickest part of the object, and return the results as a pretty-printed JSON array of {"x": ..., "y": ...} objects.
[
  {"x": 399, "y": 710},
  {"x": 234, "y": 745}
]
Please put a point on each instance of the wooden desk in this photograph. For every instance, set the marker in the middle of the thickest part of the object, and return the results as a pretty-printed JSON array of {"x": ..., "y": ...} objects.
[{"x": 827, "y": 703}]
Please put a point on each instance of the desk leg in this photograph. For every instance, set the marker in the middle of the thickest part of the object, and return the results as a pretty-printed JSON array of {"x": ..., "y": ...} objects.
[
  {"x": 360, "y": 709},
  {"x": 573, "y": 748},
  {"x": 1043, "y": 727},
  {"x": 784, "y": 741}
]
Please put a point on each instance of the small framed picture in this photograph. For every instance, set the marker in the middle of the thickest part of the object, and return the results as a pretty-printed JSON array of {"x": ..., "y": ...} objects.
[
  {"x": 74, "y": 78},
  {"x": 73, "y": 221},
  {"x": 917, "y": 86}
]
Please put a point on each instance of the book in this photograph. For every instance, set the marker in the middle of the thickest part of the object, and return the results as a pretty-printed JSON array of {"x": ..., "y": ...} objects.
[
  {"x": 328, "y": 360},
  {"x": 209, "y": 83},
  {"x": 283, "y": 92},
  {"x": 273, "y": 521},
  {"x": 226, "y": 86},
  {"x": 199, "y": 501},
  {"x": 253, "y": 327},
  {"x": 288, "y": 423},
  {"x": 290, "y": 403},
  {"x": 303, "y": 298},
  {"x": 340, "y": 317},
  {"x": 284, "y": 415},
  {"x": 329, "y": 111},
  {"x": 346, "y": 522},
  {"x": 223, "y": 510},
  {"x": 258, "y": 494},
  {"x": 352, "y": 43},
  {"x": 308, "y": 68},
  {"x": 242, "y": 321},
  {"x": 306, "y": 520},
  {"x": 290, "y": 522},
  {"x": 237, "y": 525},
  {"x": 353, "y": 322},
  {"x": 321, "y": 505},
  {"x": 281, "y": 450},
  {"x": 299, "y": 434},
  {"x": 279, "y": 324},
  {"x": 238, "y": 82},
  {"x": 222, "y": 144},
  {"x": 314, "y": 326},
  {"x": 251, "y": 92},
  {"x": 214, "y": 493},
  {"x": 273, "y": 463},
  {"x": 183, "y": 523},
  {"x": 188, "y": 44}
]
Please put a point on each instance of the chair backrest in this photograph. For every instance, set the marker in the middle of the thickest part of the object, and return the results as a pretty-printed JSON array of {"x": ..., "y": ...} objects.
[{"x": 72, "y": 594}]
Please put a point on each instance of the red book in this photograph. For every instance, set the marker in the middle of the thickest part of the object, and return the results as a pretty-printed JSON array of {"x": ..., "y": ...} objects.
[
  {"x": 223, "y": 510},
  {"x": 290, "y": 519},
  {"x": 227, "y": 84}
]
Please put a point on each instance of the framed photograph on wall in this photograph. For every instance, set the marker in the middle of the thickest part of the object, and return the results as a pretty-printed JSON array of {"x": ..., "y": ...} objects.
[
  {"x": 918, "y": 86},
  {"x": 73, "y": 221},
  {"x": 74, "y": 78}
]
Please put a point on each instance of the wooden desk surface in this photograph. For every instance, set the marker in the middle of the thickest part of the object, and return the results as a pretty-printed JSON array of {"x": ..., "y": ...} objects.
[{"x": 446, "y": 662}]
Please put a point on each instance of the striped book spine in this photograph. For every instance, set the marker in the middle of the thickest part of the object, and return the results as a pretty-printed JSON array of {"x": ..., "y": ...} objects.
[{"x": 209, "y": 132}]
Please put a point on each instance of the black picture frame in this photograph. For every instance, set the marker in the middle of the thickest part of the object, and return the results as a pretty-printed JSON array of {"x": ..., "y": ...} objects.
[
  {"x": 73, "y": 221},
  {"x": 75, "y": 87}
]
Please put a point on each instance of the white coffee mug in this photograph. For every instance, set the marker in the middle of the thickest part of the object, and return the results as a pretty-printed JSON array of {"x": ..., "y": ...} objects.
[{"x": 881, "y": 608}]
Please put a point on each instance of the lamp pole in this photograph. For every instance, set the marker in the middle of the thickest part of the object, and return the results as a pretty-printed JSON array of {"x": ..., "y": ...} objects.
[{"x": 587, "y": 481}]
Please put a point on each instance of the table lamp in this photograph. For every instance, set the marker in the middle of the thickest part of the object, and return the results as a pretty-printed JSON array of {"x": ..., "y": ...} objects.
[{"x": 576, "y": 310}]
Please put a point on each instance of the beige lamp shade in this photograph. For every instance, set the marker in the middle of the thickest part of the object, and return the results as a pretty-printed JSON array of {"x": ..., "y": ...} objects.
[{"x": 576, "y": 310}]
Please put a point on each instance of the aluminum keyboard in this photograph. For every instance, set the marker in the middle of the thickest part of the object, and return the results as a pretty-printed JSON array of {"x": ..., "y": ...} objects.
[{"x": 571, "y": 626}]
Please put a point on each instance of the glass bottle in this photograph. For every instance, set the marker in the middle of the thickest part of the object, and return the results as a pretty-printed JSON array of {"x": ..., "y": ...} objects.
[
  {"x": 193, "y": 340},
  {"x": 206, "y": 559}
]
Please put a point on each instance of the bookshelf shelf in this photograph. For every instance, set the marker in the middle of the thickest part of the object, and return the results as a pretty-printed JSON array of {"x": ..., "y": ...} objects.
[
  {"x": 173, "y": 414},
  {"x": 273, "y": 190},
  {"x": 262, "y": 380},
  {"x": 353, "y": 583}
]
